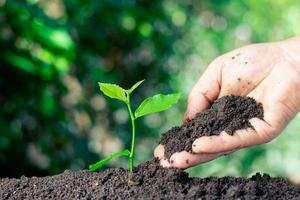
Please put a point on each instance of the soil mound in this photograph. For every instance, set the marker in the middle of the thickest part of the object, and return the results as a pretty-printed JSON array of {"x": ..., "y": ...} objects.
[{"x": 150, "y": 181}]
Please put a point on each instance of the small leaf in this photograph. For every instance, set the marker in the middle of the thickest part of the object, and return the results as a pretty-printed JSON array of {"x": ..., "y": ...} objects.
[
  {"x": 113, "y": 91},
  {"x": 156, "y": 103},
  {"x": 99, "y": 164},
  {"x": 135, "y": 86}
]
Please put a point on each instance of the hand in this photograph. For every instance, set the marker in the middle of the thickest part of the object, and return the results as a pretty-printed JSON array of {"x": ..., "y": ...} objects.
[{"x": 270, "y": 73}]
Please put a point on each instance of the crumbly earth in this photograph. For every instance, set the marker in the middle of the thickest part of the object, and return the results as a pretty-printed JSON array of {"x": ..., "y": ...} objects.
[
  {"x": 150, "y": 181},
  {"x": 229, "y": 113}
]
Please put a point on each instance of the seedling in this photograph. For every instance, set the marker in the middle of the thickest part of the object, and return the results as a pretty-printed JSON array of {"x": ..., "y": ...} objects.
[{"x": 156, "y": 103}]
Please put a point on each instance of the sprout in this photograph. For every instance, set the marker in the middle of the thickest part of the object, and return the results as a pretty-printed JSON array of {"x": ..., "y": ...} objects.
[{"x": 156, "y": 103}]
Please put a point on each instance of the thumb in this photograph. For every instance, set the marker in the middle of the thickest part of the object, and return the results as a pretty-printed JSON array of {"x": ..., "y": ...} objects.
[{"x": 205, "y": 91}]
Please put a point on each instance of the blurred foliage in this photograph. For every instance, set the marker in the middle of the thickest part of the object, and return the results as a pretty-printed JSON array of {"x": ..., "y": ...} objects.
[{"x": 53, "y": 53}]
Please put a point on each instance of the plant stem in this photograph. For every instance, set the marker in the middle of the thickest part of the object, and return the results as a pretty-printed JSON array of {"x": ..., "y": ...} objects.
[{"x": 132, "y": 118}]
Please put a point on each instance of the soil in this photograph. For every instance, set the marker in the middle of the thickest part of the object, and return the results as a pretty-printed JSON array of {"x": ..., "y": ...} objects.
[
  {"x": 149, "y": 181},
  {"x": 229, "y": 113}
]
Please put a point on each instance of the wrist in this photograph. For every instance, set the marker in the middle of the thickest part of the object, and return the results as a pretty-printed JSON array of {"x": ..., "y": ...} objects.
[{"x": 291, "y": 49}]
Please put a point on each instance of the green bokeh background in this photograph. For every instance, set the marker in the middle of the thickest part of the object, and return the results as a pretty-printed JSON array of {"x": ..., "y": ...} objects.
[{"x": 53, "y": 53}]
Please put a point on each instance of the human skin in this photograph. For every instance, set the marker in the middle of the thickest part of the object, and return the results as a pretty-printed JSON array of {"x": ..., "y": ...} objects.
[{"x": 267, "y": 72}]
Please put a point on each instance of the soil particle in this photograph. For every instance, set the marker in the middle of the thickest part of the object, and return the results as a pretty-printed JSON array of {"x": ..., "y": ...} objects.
[
  {"x": 229, "y": 113},
  {"x": 149, "y": 181},
  {"x": 239, "y": 79}
]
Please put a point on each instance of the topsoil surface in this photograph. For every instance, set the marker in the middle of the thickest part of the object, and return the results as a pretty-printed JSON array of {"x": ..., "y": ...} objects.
[
  {"x": 229, "y": 113},
  {"x": 150, "y": 181}
]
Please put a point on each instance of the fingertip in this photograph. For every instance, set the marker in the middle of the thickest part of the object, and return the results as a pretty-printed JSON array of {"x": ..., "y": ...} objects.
[
  {"x": 159, "y": 152},
  {"x": 165, "y": 163},
  {"x": 180, "y": 160}
]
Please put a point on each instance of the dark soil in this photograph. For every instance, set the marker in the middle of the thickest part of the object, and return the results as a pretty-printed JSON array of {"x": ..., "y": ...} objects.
[
  {"x": 150, "y": 181},
  {"x": 229, "y": 113}
]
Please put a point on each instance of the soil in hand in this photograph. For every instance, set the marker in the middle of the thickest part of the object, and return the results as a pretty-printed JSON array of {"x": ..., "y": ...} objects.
[
  {"x": 229, "y": 113},
  {"x": 149, "y": 181}
]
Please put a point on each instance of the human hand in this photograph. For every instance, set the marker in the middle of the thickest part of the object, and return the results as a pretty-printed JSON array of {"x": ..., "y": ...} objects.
[{"x": 269, "y": 73}]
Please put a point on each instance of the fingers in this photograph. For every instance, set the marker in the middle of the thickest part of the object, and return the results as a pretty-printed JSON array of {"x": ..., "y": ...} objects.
[
  {"x": 205, "y": 91},
  {"x": 183, "y": 160},
  {"x": 159, "y": 153},
  {"x": 261, "y": 133}
]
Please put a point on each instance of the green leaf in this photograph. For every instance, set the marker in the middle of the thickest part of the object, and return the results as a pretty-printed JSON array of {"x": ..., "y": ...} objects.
[
  {"x": 99, "y": 164},
  {"x": 135, "y": 86},
  {"x": 156, "y": 103},
  {"x": 113, "y": 91}
]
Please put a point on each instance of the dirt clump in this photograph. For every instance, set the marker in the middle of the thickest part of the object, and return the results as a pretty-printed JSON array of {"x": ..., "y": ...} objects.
[{"x": 229, "y": 113}]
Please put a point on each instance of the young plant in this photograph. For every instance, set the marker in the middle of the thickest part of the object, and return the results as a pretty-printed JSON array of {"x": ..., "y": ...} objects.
[{"x": 156, "y": 103}]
